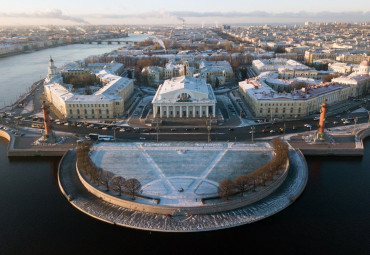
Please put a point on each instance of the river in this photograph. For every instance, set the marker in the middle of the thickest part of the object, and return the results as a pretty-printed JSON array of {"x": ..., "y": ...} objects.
[
  {"x": 331, "y": 217},
  {"x": 17, "y": 73}
]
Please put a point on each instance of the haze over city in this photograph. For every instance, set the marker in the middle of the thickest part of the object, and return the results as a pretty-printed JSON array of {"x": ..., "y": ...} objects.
[{"x": 69, "y": 12}]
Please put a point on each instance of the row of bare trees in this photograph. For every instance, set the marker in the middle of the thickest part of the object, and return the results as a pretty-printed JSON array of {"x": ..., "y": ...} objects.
[
  {"x": 102, "y": 177},
  {"x": 259, "y": 177}
]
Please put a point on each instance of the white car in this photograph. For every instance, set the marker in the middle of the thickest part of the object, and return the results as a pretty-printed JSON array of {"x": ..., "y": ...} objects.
[{"x": 307, "y": 125}]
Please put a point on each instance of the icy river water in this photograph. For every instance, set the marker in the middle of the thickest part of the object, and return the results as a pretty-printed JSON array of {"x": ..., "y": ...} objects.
[{"x": 331, "y": 217}]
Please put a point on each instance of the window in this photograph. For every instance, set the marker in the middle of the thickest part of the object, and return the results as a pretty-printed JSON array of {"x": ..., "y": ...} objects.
[
  {"x": 78, "y": 111},
  {"x": 70, "y": 111},
  {"x": 92, "y": 111},
  {"x": 107, "y": 111},
  {"x": 85, "y": 111}
]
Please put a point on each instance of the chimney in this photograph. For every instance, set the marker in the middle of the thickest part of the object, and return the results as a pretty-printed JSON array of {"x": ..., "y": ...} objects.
[{"x": 184, "y": 70}]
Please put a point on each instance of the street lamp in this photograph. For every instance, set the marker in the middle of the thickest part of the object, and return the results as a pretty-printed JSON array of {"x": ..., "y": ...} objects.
[
  {"x": 252, "y": 132},
  {"x": 157, "y": 131},
  {"x": 354, "y": 128}
]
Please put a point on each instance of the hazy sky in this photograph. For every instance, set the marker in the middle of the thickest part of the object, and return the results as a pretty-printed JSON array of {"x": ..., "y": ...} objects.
[{"x": 23, "y": 12}]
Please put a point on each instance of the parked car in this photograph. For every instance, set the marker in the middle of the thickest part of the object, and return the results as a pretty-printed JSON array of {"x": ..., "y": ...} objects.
[{"x": 308, "y": 125}]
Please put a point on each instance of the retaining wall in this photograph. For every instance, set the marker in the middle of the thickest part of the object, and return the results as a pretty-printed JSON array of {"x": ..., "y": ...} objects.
[{"x": 171, "y": 210}]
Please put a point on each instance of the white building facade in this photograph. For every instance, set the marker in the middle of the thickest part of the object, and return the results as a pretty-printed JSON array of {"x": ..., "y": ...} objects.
[
  {"x": 107, "y": 102},
  {"x": 184, "y": 97}
]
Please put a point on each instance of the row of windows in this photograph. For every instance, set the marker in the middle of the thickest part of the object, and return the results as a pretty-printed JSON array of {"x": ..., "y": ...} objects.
[
  {"x": 280, "y": 104},
  {"x": 86, "y": 117},
  {"x": 277, "y": 110},
  {"x": 85, "y": 111},
  {"x": 88, "y": 105}
]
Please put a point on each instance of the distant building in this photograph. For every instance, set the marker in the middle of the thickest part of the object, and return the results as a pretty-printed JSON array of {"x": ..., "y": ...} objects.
[
  {"x": 311, "y": 55},
  {"x": 184, "y": 97},
  {"x": 360, "y": 80},
  {"x": 212, "y": 72}
]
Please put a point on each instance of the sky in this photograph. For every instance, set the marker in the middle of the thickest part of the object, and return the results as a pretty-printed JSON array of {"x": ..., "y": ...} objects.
[{"x": 77, "y": 12}]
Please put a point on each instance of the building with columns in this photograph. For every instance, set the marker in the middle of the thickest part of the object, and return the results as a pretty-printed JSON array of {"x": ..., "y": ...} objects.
[
  {"x": 109, "y": 101},
  {"x": 184, "y": 97}
]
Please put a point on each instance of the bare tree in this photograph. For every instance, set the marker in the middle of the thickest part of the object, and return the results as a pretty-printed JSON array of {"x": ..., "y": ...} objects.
[
  {"x": 225, "y": 188},
  {"x": 116, "y": 184},
  {"x": 104, "y": 178},
  {"x": 132, "y": 186},
  {"x": 242, "y": 183}
]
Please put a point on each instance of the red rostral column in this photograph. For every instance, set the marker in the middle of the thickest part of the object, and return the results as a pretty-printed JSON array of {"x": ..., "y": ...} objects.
[
  {"x": 324, "y": 109},
  {"x": 45, "y": 112}
]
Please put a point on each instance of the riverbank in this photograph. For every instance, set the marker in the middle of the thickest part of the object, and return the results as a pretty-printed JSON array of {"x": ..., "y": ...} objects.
[{"x": 344, "y": 144}]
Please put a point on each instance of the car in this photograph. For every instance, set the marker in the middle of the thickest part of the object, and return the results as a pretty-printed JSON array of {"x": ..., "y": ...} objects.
[
  {"x": 187, "y": 129},
  {"x": 252, "y": 132},
  {"x": 346, "y": 122},
  {"x": 196, "y": 128},
  {"x": 122, "y": 130},
  {"x": 294, "y": 128},
  {"x": 231, "y": 129},
  {"x": 264, "y": 130},
  {"x": 142, "y": 138},
  {"x": 272, "y": 131},
  {"x": 173, "y": 129},
  {"x": 307, "y": 125},
  {"x": 335, "y": 122},
  {"x": 104, "y": 128}
]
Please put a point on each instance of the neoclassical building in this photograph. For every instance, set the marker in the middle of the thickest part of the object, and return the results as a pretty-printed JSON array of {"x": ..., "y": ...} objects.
[
  {"x": 109, "y": 101},
  {"x": 184, "y": 97}
]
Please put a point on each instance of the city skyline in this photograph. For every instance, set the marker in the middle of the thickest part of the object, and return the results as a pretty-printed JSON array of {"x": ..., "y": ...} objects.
[{"x": 192, "y": 12}]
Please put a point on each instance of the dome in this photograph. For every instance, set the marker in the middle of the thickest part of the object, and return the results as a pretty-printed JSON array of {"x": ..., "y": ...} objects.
[{"x": 365, "y": 63}]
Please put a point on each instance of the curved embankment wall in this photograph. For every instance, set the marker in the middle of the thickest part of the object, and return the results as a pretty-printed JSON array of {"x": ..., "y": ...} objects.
[
  {"x": 9, "y": 137},
  {"x": 363, "y": 134},
  {"x": 171, "y": 210},
  {"x": 46, "y": 151}
]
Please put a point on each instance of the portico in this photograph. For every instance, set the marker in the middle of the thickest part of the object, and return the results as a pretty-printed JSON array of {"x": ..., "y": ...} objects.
[{"x": 184, "y": 97}]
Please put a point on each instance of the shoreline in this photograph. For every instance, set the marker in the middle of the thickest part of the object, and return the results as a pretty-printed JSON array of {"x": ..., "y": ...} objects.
[{"x": 52, "y": 46}]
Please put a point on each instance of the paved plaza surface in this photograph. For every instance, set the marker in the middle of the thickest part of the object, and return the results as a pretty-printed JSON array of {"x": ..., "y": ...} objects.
[
  {"x": 180, "y": 173},
  {"x": 80, "y": 198}
]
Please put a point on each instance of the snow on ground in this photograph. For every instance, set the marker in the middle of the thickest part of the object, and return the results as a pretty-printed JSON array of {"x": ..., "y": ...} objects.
[
  {"x": 29, "y": 108},
  {"x": 360, "y": 110},
  {"x": 180, "y": 173}
]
